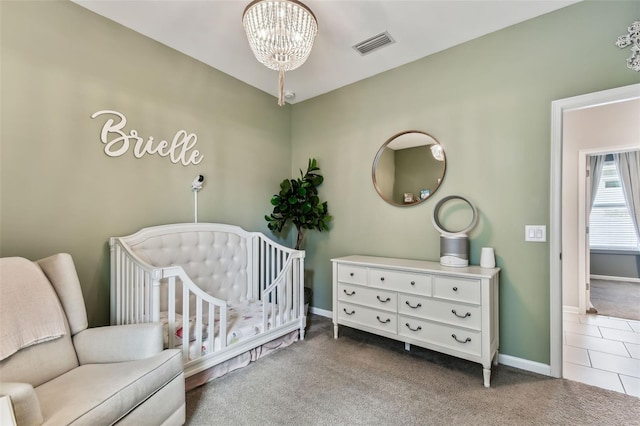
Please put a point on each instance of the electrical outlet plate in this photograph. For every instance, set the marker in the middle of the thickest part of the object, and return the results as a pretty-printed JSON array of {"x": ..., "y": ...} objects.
[{"x": 535, "y": 233}]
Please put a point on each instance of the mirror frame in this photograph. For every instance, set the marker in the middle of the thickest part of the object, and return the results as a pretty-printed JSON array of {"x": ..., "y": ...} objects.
[{"x": 379, "y": 154}]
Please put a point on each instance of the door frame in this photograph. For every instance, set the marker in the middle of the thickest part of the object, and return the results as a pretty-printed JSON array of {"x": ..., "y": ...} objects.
[{"x": 558, "y": 108}]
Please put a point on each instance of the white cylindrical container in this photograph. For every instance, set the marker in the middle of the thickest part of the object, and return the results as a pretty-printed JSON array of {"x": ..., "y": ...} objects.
[{"x": 487, "y": 258}]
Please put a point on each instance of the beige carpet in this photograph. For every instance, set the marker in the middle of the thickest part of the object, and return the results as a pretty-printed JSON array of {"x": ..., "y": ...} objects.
[{"x": 361, "y": 379}]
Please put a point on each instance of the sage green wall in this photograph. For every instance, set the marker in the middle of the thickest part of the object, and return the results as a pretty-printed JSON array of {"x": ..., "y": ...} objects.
[
  {"x": 488, "y": 102},
  {"x": 61, "y": 193}
]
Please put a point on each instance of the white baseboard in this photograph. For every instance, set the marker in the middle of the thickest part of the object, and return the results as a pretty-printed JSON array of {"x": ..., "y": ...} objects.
[
  {"x": 524, "y": 364},
  {"x": 608, "y": 278},
  {"x": 321, "y": 312},
  {"x": 570, "y": 309},
  {"x": 511, "y": 361}
]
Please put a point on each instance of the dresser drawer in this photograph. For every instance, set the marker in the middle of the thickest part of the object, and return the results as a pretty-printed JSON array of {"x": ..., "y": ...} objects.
[
  {"x": 458, "y": 289},
  {"x": 369, "y": 317},
  {"x": 401, "y": 281},
  {"x": 440, "y": 310},
  {"x": 352, "y": 274},
  {"x": 372, "y": 297},
  {"x": 459, "y": 339}
]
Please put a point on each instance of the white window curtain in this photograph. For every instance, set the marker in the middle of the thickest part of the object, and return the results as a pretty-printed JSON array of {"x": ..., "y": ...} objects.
[
  {"x": 596, "y": 163},
  {"x": 628, "y": 165}
]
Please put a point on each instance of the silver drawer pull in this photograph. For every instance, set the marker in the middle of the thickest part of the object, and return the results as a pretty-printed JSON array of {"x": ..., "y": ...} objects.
[
  {"x": 455, "y": 289},
  {"x": 467, "y": 340},
  {"x": 413, "y": 307},
  {"x": 413, "y": 329},
  {"x": 384, "y": 322},
  {"x": 413, "y": 283},
  {"x": 348, "y": 313},
  {"x": 468, "y": 314},
  {"x": 349, "y": 294},
  {"x": 385, "y": 300}
]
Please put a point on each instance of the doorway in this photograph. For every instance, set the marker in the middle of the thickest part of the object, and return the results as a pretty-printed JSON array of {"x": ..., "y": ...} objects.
[
  {"x": 612, "y": 262},
  {"x": 606, "y": 232},
  {"x": 560, "y": 260}
]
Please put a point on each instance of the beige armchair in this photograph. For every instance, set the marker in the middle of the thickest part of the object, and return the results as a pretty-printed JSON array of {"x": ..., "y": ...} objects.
[{"x": 57, "y": 371}]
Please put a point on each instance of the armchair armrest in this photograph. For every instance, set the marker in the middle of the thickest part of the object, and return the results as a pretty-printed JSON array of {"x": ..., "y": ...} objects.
[
  {"x": 118, "y": 343},
  {"x": 26, "y": 406}
]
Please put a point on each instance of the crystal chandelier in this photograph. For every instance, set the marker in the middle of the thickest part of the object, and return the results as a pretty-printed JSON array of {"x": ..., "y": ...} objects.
[
  {"x": 281, "y": 34},
  {"x": 632, "y": 39}
]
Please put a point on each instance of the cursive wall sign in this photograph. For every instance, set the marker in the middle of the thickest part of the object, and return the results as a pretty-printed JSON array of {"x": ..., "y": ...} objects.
[{"x": 117, "y": 142}]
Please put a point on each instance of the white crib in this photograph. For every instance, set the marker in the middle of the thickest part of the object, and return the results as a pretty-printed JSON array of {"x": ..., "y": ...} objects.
[{"x": 200, "y": 279}]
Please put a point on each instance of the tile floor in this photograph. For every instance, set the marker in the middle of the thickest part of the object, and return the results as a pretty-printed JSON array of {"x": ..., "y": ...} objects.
[{"x": 602, "y": 351}]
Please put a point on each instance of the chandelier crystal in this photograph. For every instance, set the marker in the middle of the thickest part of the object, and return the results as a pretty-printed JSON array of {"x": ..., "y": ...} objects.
[{"x": 281, "y": 35}]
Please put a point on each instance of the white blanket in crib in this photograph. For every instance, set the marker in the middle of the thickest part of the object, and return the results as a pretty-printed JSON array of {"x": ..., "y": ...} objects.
[{"x": 244, "y": 320}]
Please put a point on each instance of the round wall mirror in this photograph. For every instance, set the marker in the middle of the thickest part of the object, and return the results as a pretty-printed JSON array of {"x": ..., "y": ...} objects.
[{"x": 409, "y": 168}]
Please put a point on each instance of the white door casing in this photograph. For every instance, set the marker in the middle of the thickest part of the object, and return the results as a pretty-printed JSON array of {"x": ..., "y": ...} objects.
[{"x": 558, "y": 108}]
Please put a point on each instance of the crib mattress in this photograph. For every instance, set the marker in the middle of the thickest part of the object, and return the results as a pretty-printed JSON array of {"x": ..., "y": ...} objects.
[{"x": 244, "y": 320}]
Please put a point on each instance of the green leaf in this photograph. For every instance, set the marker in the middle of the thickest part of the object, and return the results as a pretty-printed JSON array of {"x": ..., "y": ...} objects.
[
  {"x": 317, "y": 180},
  {"x": 293, "y": 200},
  {"x": 285, "y": 185}
]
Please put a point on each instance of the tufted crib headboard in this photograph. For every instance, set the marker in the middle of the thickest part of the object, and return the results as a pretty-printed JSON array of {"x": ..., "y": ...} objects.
[
  {"x": 216, "y": 260},
  {"x": 216, "y": 257}
]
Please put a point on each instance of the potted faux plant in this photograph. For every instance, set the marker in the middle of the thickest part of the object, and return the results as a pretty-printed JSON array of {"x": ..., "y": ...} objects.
[{"x": 299, "y": 203}]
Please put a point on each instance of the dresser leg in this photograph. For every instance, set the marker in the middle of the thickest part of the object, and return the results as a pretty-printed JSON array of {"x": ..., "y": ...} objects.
[
  {"x": 335, "y": 331},
  {"x": 486, "y": 372},
  {"x": 407, "y": 346},
  {"x": 495, "y": 359}
]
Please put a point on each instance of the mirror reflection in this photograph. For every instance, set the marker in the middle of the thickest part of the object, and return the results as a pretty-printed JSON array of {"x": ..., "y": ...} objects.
[{"x": 409, "y": 168}]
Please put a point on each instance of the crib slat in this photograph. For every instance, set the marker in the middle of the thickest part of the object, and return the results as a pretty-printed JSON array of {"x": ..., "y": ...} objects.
[
  {"x": 270, "y": 264},
  {"x": 198, "y": 329},
  {"x": 223, "y": 328},
  {"x": 171, "y": 317},
  {"x": 300, "y": 284},
  {"x": 137, "y": 313},
  {"x": 185, "y": 323},
  {"x": 147, "y": 280},
  {"x": 211, "y": 327},
  {"x": 116, "y": 319},
  {"x": 127, "y": 292}
]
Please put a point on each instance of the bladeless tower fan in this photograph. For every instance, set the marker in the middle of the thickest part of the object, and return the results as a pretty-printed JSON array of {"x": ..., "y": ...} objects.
[{"x": 454, "y": 245}]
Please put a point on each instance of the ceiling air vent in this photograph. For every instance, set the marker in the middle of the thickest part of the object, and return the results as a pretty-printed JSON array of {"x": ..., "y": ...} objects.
[{"x": 374, "y": 43}]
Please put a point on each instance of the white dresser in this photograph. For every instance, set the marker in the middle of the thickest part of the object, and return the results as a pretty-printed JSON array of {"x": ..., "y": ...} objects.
[{"x": 449, "y": 310}]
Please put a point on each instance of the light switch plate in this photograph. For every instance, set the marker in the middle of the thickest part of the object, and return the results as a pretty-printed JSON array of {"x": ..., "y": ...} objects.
[{"x": 535, "y": 233}]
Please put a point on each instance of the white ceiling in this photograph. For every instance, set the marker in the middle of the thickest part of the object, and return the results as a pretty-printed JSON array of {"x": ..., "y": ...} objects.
[{"x": 211, "y": 31}]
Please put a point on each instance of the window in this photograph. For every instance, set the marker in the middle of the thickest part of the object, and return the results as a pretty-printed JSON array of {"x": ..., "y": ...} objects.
[{"x": 610, "y": 226}]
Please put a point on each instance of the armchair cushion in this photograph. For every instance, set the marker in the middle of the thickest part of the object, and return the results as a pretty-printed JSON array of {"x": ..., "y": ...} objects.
[
  {"x": 118, "y": 343},
  {"x": 61, "y": 272},
  {"x": 24, "y": 400},
  {"x": 101, "y": 394}
]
